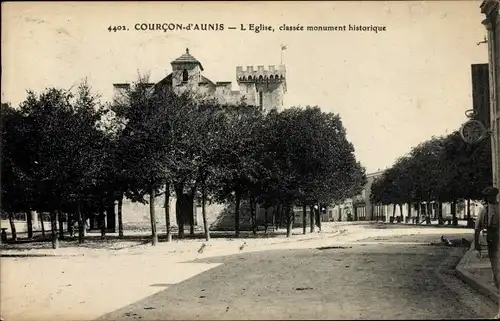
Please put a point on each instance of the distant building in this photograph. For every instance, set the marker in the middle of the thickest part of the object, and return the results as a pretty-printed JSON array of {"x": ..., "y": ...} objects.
[
  {"x": 359, "y": 207},
  {"x": 257, "y": 86}
]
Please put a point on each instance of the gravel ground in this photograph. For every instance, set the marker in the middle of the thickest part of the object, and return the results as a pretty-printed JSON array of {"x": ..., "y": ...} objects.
[
  {"x": 358, "y": 281},
  {"x": 89, "y": 286}
]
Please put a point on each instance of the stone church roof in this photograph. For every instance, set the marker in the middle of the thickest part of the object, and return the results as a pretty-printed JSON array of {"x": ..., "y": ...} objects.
[{"x": 187, "y": 58}]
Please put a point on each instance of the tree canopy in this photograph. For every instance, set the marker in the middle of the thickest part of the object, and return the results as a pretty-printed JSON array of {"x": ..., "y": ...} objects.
[
  {"x": 66, "y": 151},
  {"x": 442, "y": 169}
]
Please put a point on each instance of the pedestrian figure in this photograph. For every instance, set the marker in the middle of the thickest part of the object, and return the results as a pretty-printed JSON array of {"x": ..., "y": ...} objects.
[
  {"x": 488, "y": 219},
  {"x": 101, "y": 219},
  {"x": 73, "y": 226},
  {"x": 455, "y": 242}
]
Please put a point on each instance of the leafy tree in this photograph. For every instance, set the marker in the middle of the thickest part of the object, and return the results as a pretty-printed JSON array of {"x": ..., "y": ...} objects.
[
  {"x": 15, "y": 181},
  {"x": 208, "y": 143},
  {"x": 239, "y": 162},
  {"x": 63, "y": 158},
  {"x": 47, "y": 118},
  {"x": 144, "y": 144},
  {"x": 313, "y": 161},
  {"x": 442, "y": 169}
]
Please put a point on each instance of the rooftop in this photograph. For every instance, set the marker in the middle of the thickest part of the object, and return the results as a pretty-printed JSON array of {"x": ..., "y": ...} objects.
[{"x": 186, "y": 58}]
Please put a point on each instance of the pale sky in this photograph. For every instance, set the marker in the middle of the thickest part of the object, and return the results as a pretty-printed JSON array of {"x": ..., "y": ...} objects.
[{"x": 393, "y": 89}]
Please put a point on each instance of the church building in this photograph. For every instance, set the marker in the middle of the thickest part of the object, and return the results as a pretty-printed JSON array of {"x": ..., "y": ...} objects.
[{"x": 257, "y": 86}]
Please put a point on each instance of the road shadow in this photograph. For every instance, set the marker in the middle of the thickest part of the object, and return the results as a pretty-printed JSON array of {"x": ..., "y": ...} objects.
[
  {"x": 404, "y": 225},
  {"x": 282, "y": 278}
]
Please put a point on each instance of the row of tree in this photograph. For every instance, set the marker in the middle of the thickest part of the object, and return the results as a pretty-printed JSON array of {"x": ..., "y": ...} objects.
[
  {"x": 440, "y": 170},
  {"x": 65, "y": 152}
]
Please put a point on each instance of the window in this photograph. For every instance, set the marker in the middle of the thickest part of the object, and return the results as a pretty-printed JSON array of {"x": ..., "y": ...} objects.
[
  {"x": 184, "y": 75},
  {"x": 361, "y": 211},
  {"x": 260, "y": 100}
]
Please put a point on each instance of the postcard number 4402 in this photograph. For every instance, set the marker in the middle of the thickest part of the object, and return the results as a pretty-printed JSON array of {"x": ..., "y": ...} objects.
[{"x": 117, "y": 28}]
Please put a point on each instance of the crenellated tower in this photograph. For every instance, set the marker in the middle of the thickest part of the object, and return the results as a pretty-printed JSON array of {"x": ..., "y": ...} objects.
[
  {"x": 263, "y": 87},
  {"x": 258, "y": 86}
]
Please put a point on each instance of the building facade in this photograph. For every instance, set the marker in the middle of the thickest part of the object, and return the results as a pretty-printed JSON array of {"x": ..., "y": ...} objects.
[
  {"x": 359, "y": 207},
  {"x": 490, "y": 8},
  {"x": 257, "y": 86}
]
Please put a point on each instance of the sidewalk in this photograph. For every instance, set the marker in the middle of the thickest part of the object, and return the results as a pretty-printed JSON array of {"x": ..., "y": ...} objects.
[
  {"x": 121, "y": 247},
  {"x": 336, "y": 232},
  {"x": 476, "y": 271}
]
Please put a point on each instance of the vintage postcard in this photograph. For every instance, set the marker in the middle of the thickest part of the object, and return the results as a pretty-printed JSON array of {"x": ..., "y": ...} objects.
[{"x": 185, "y": 160}]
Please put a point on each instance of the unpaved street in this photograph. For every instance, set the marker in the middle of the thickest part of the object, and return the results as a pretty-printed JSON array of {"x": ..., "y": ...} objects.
[
  {"x": 402, "y": 277},
  {"x": 372, "y": 271}
]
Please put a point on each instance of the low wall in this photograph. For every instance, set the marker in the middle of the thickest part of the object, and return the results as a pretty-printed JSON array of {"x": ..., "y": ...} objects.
[{"x": 22, "y": 227}]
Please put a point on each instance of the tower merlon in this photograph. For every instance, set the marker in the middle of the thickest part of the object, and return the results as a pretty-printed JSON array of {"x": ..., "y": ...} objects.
[
  {"x": 273, "y": 73},
  {"x": 121, "y": 85},
  {"x": 223, "y": 83}
]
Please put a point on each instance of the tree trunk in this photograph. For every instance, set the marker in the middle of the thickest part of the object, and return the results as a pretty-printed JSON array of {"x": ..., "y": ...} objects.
[
  {"x": 273, "y": 218},
  {"x": 12, "y": 227},
  {"x": 154, "y": 236},
  {"x": 120, "y": 216},
  {"x": 110, "y": 217},
  {"x": 401, "y": 211},
  {"x": 40, "y": 216},
  {"x": 237, "y": 215},
  {"x": 440, "y": 213},
  {"x": 167, "y": 212},
  {"x": 69, "y": 223},
  {"x": 253, "y": 215},
  {"x": 53, "y": 227},
  {"x": 470, "y": 223},
  {"x": 179, "y": 207},
  {"x": 190, "y": 211},
  {"x": 289, "y": 221},
  {"x": 61, "y": 224},
  {"x": 265, "y": 220},
  {"x": 204, "y": 214},
  {"x": 394, "y": 211},
  {"x": 454, "y": 213},
  {"x": 281, "y": 216},
  {"x": 311, "y": 218},
  {"x": 304, "y": 218},
  {"x": 419, "y": 205},
  {"x": 29, "y": 222},
  {"x": 81, "y": 224},
  {"x": 468, "y": 209},
  {"x": 318, "y": 217},
  {"x": 101, "y": 220}
]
